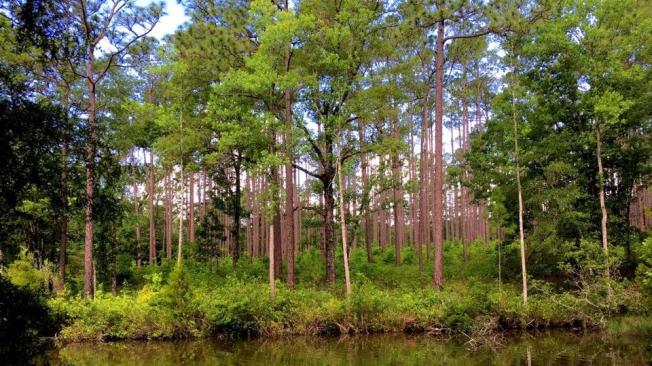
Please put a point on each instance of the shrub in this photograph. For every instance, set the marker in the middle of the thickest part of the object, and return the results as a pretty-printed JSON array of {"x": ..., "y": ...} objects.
[
  {"x": 310, "y": 268},
  {"x": 23, "y": 273},
  {"x": 644, "y": 270}
]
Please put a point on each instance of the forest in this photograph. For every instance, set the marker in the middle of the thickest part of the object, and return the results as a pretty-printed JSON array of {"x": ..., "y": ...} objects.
[{"x": 316, "y": 167}]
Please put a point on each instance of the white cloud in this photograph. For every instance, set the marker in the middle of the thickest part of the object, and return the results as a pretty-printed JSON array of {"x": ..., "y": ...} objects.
[{"x": 174, "y": 17}]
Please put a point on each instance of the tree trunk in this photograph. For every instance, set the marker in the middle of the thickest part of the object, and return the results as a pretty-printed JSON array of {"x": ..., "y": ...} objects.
[
  {"x": 272, "y": 264},
  {"x": 181, "y": 202},
  {"x": 134, "y": 184},
  {"x": 90, "y": 176},
  {"x": 150, "y": 207},
  {"x": 114, "y": 261},
  {"x": 345, "y": 250},
  {"x": 439, "y": 111},
  {"x": 276, "y": 224},
  {"x": 363, "y": 167},
  {"x": 398, "y": 200},
  {"x": 168, "y": 216},
  {"x": 423, "y": 180},
  {"x": 191, "y": 206},
  {"x": 235, "y": 225},
  {"x": 63, "y": 244},
  {"x": 603, "y": 210},
  {"x": 289, "y": 176},
  {"x": 463, "y": 144},
  {"x": 412, "y": 197},
  {"x": 521, "y": 234},
  {"x": 297, "y": 216},
  {"x": 329, "y": 205}
]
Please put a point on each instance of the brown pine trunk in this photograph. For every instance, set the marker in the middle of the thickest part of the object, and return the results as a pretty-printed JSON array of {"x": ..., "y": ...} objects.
[
  {"x": 181, "y": 202},
  {"x": 150, "y": 207},
  {"x": 90, "y": 176},
  {"x": 464, "y": 144},
  {"x": 412, "y": 196},
  {"x": 168, "y": 216},
  {"x": 429, "y": 191},
  {"x": 329, "y": 205},
  {"x": 272, "y": 263},
  {"x": 297, "y": 215},
  {"x": 363, "y": 168},
  {"x": 423, "y": 180},
  {"x": 134, "y": 184},
  {"x": 250, "y": 226},
  {"x": 398, "y": 201},
  {"x": 454, "y": 207},
  {"x": 256, "y": 219},
  {"x": 235, "y": 220},
  {"x": 114, "y": 261},
  {"x": 63, "y": 244},
  {"x": 375, "y": 220},
  {"x": 191, "y": 206},
  {"x": 383, "y": 223},
  {"x": 289, "y": 176},
  {"x": 439, "y": 111},
  {"x": 276, "y": 224}
]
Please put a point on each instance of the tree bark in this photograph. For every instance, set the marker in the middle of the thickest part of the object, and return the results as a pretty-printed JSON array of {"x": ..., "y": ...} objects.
[
  {"x": 63, "y": 244},
  {"x": 439, "y": 111},
  {"x": 521, "y": 234},
  {"x": 345, "y": 250},
  {"x": 168, "y": 215},
  {"x": 181, "y": 202},
  {"x": 423, "y": 180},
  {"x": 134, "y": 184},
  {"x": 363, "y": 167},
  {"x": 398, "y": 200},
  {"x": 191, "y": 206},
  {"x": 272, "y": 264},
  {"x": 464, "y": 145},
  {"x": 603, "y": 210},
  {"x": 235, "y": 225},
  {"x": 90, "y": 176},
  {"x": 276, "y": 224},
  {"x": 114, "y": 261},
  {"x": 329, "y": 205},
  {"x": 150, "y": 207},
  {"x": 289, "y": 176}
]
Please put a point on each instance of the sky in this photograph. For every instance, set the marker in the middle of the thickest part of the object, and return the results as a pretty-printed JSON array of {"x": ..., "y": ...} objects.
[{"x": 174, "y": 17}]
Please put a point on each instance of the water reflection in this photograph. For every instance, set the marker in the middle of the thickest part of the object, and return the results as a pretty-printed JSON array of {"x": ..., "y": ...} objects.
[{"x": 543, "y": 349}]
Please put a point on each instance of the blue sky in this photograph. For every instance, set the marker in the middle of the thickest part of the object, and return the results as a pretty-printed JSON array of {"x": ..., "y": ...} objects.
[{"x": 174, "y": 17}]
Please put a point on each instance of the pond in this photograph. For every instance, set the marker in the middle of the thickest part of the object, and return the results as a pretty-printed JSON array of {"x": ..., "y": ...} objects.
[{"x": 555, "y": 348}]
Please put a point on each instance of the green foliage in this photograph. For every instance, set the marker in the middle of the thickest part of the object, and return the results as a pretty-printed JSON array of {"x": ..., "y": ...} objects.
[
  {"x": 644, "y": 270},
  {"x": 310, "y": 267},
  {"x": 177, "y": 293},
  {"x": 587, "y": 261},
  {"x": 197, "y": 300},
  {"x": 23, "y": 273}
]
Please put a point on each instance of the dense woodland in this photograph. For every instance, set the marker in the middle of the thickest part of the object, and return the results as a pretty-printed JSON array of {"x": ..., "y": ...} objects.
[{"x": 340, "y": 154}]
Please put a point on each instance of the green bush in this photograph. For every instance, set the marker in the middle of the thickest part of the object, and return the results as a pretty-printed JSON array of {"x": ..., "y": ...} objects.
[
  {"x": 310, "y": 267},
  {"x": 644, "y": 270},
  {"x": 204, "y": 298},
  {"x": 23, "y": 273}
]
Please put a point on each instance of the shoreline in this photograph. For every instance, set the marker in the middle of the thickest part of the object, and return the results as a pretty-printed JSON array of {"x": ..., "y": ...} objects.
[{"x": 429, "y": 331}]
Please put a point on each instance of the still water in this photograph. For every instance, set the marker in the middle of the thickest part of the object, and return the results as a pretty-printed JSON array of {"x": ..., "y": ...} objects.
[{"x": 556, "y": 348}]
